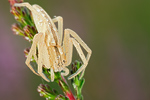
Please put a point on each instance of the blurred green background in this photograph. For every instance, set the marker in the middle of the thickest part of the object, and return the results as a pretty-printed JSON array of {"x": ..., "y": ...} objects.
[{"x": 117, "y": 31}]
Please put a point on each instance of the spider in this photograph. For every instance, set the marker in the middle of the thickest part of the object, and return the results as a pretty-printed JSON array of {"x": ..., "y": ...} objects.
[{"x": 54, "y": 48}]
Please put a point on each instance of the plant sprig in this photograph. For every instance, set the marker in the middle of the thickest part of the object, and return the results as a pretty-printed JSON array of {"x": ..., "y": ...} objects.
[{"x": 26, "y": 28}]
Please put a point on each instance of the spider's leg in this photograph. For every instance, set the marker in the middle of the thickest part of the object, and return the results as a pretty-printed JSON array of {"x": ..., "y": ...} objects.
[
  {"x": 40, "y": 60},
  {"x": 48, "y": 62},
  {"x": 53, "y": 60},
  {"x": 25, "y": 4},
  {"x": 59, "y": 19},
  {"x": 52, "y": 74},
  {"x": 46, "y": 57},
  {"x": 77, "y": 41},
  {"x": 68, "y": 48},
  {"x": 33, "y": 52},
  {"x": 82, "y": 56}
]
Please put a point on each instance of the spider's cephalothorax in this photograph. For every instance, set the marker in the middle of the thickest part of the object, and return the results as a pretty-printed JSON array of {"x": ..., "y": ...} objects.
[{"x": 53, "y": 53}]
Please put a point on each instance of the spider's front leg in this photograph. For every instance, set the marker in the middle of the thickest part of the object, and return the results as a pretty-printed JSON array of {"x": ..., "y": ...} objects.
[
  {"x": 33, "y": 52},
  {"x": 68, "y": 45},
  {"x": 44, "y": 59},
  {"x": 37, "y": 40}
]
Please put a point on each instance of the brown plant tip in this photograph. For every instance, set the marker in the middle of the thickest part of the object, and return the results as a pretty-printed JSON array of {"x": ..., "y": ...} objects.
[
  {"x": 26, "y": 51},
  {"x": 33, "y": 28},
  {"x": 26, "y": 29},
  {"x": 23, "y": 12},
  {"x": 16, "y": 29}
]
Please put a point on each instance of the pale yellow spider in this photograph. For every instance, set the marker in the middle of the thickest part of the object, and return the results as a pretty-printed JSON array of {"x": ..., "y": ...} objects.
[{"x": 54, "y": 51}]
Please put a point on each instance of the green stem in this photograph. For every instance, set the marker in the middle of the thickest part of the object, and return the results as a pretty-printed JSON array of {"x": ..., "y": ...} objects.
[{"x": 61, "y": 82}]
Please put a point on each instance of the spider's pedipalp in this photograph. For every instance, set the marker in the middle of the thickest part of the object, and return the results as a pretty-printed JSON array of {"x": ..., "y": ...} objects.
[{"x": 66, "y": 71}]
